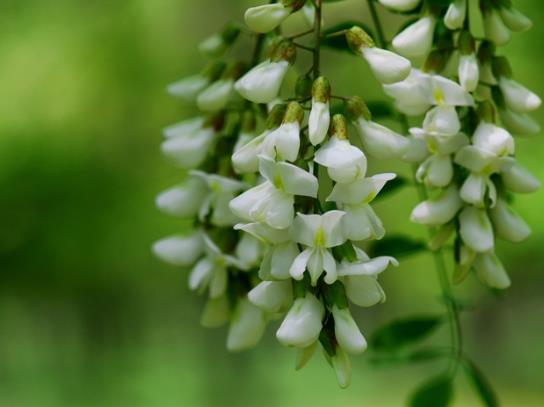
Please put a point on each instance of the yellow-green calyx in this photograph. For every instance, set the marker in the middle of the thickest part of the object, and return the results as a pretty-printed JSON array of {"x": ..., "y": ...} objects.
[
  {"x": 321, "y": 90},
  {"x": 486, "y": 112},
  {"x": 339, "y": 127},
  {"x": 275, "y": 116},
  {"x": 284, "y": 51},
  {"x": 358, "y": 38},
  {"x": 294, "y": 113},
  {"x": 213, "y": 70},
  {"x": 466, "y": 44},
  {"x": 501, "y": 67},
  {"x": 356, "y": 108}
]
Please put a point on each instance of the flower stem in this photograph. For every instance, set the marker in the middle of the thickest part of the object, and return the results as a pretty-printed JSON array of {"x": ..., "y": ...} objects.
[
  {"x": 454, "y": 322},
  {"x": 317, "y": 36}
]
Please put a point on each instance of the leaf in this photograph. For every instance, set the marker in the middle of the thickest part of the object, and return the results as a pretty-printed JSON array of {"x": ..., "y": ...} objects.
[
  {"x": 338, "y": 42},
  {"x": 481, "y": 384},
  {"x": 403, "y": 332},
  {"x": 436, "y": 392},
  {"x": 397, "y": 246},
  {"x": 418, "y": 356},
  {"x": 390, "y": 187}
]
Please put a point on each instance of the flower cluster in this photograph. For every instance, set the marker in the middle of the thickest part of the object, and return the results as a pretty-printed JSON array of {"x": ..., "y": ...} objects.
[{"x": 465, "y": 148}]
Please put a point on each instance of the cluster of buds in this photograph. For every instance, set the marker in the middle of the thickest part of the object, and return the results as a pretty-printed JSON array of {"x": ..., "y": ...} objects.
[{"x": 465, "y": 148}]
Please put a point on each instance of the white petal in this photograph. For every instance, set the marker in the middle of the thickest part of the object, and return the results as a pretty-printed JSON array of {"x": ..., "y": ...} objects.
[
  {"x": 262, "y": 83},
  {"x": 515, "y": 20},
  {"x": 519, "y": 124},
  {"x": 249, "y": 250},
  {"x": 469, "y": 72},
  {"x": 442, "y": 120},
  {"x": 446, "y": 143},
  {"x": 495, "y": 29},
  {"x": 332, "y": 228},
  {"x": 507, "y": 224},
  {"x": 189, "y": 150},
  {"x": 444, "y": 91},
  {"x": 246, "y": 158},
  {"x": 299, "y": 264},
  {"x": 520, "y": 180},
  {"x": 318, "y": 122},
  {"x": 272, "y": 296},
  {"x": 201, "y": 274},
  {"x": 362, "y": 223},
  {"x": 344, "y": 161},
  {"x": 416, "y": 40},
  {"x": 184, "y": 127},
  {"x": 476, "y": 159},
  {"x": 246, "y": 327},
  {"x": 364, "y": 291},
  {"x": 296, "y": 181},
  {"x": 362, "y": 190},
  {"x": 492, "y": 138},
  {"x": 264, "y": 233},
  {"x": 315, "y": 265},
  {"x": 417, "y": 150},
  {"x": 491, "y": 272},
  {"x": 438, "y": 211},
  {"x": 518, "y": 97},
  {"x": 283, "y": 257},
  {"x": 347, "y": 332},
  {"x": 381, "y": 142},
  {"x": 476, "y": 230},
  {"x": 413, "y": 91},
  {"x": 400, "y": 5},
  {"x": 188, "y": 88},
  {"x": 473, "y": 190},
  {"x": 302, "y": 325},
  {"x": 371, "y": 267},
  {"x": 386, "y": 66},
  {"x": 329, "y": 265},
  {"x": 179, "y": 250},
  {"x": 265, "y": 18},
  {"x": 436, "y": 171},
  {"x": 285, "y": 141},
  {"x": 216, "y": 96},
  {"x": 456, "y": 14},
  {"x": 183, "y": 200}
]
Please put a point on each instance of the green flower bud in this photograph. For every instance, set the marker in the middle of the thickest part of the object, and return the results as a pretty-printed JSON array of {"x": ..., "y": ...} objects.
[
  {"x": 501, "y": 67},
  {"x": 303, "y": 86},
  {"x": 285, "y": 50},
  {"x": 466, "y": 44},
  {"x": 486, "y": 112},
  {"x": 294, "y": 113},
  {"x": 275, "y": 116},
  {"x": 339, "y": 127},
  {"x": 358, "y": 38},
  {"x": 356, "y": 107},
  {"x": 321, "y": 90}
]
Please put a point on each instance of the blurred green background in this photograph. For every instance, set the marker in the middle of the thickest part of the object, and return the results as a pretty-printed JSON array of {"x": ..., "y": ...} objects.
[{"x": 89, "y": 318}]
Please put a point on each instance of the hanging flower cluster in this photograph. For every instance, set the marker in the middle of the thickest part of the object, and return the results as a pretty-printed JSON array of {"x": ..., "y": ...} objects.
[{"x": 465, "y": 148}]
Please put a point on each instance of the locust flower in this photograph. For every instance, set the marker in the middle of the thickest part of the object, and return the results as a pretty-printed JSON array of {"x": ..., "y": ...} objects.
[
  {"x": 319, "y": 120},
  {"x": 507, "y": 224},
  {"x": 180, "y": 250},
  {"x": 183, "y": 200},
  {"x": 400, "y": 5},
  {"x": 456, "y": 14},
  {"x": 247, "y": 326},
  {"x": 490, "y": 271},
  {"x": 189, "y": 88},
  {"x": 347, "y": 332},
  {"x": 272, "y": 296},
  {"x": 518, "y": 179},
  {"x": 188, "y": 150},
  {"x": 440, "y": 210},
  {"x": 265, "y": 18},
  {"x": 476, "y": 229},
  {"x": 416, "y": 40}
]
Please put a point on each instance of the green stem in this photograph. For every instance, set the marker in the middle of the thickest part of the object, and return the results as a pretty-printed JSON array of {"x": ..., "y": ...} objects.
[
  {"x": 454, "y": 322},
  {"x": 317, "y": 35}
]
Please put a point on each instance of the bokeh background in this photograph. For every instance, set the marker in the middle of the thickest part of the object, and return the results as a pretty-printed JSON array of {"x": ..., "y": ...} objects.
[{"x": 89, "y": 318}]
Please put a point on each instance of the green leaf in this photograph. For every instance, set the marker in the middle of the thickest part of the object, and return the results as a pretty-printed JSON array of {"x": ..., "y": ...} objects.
[
  {"x": 397, "y": 246},
  {"x": 338, "y": 42},
  {"x": 390, "y": 187},
  {"x": 418, "y": 356},
  {"x": 436, "y": 392},
  {"x": 481, "y": 385},
  {"x": 403, "y": 332}
]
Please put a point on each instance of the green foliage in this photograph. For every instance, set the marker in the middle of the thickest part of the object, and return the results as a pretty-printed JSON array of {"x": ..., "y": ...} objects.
[
  {"x": 402, "y": 332},
  {"x": 481, "y": 384},
  {"x": 436, "y": 392},
  {"x": 397, "y": 246}
]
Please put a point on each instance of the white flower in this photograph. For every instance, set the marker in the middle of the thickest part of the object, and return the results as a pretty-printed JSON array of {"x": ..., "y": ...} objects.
[
  {"x": 411, "y": 95},
  {"x": 456, "y": 14},
  {"x": 360, "y": 221},
  {"x": 494, "y": 27},
  {"x": 520, "y": 180},
  {"x": 507, "y": 224},
  {"x": 345, "y": 163},
  {"x": 280, "y": 250},
  {"x": 318, "y": 122},
  {"x": 246, "y": 158},
  {"x": 417, "y": 150},
  {"x": 438, "y": 211},
  {"x": 476, "y": 229},
  {"x": 302, "y": 324},
  {"x": 386, "y": 66},
  {"x": 469, "y": 72},
  {"x": 220, "y": 192},
  {"x": 515, "y": 20},
  {"x": 318, "y": 233},
  {"x": 416, "y": 40},
  {"x": 476, "y": 188},
  {"x": 265, "y": 18},
  {"x": 272, "y": 296},
  {"x": 262, "y": 83},
  {"x": 188, "y": 88},
  {"x": 189, "y": 150},
  {"x": 490, "y": 271},
  {"x": 211, "y": 271},
  {"x": 381, "y": 142},
  {"x": 216, "y": 312},
  {"x": 180, "y": 250},
  {"x": 212, "y": 46},
  {"x": 216, "y": 96},
  {"x": 184, "y": 127},
  {"x": 518, "y": 123},
  {"x": 272, "y": 201},
  {"x": 246, "y": 327},
  {"x": 436, "y": 171},
  {"x": 400, "y": 5},
  {"x": 342, "y": 367},
  {"x": 284, "y": 142},
  {"x": 249, "y": 250},
  {"x": 442, "y": 120},
  {"x": 360, "y": 278},
  {"x": 183, "y": 200},
  {"x": 347, "y": 332},
  {"x": 517, "y": 97}
]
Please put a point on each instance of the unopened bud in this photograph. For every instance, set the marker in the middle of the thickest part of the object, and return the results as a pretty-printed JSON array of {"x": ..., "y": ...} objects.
[
  {"x": 358, "y": 38},
  {"x": 356, "y": 107},
  {"x": 275, "y": 116},
  {"x": 339, "y": 127},
  {"x": 285, "y": 51},
  {"x": 321, "y": 90},
  {"x": 303, "y": 86},
  {"x": 294, "y": 113}
]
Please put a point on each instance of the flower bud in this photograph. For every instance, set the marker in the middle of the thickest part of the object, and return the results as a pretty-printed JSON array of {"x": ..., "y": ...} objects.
[
  {"x": 262, "y": 83},
  {"x": 438, "y": 211},
  {"x": 515, "y": 20},
  {"x": 517, "y": 97},
  {"x": 416, "y": 40},
  {"x": 519, "y": 124},
  {"x": 189, "y": 150},
  {"x": 386, "y": 66},
  {"x": 183, "y": 200},
  {"x": 358, "y": 38},
  {"x": 456, "y": 14},
  {"x": 216, "y": 312},
  {"x": 303, "y": 86},
  {"x": 400, "y": 5},
  {"x": 216, "y": 96},
  {"x": 476, "y": 188},
  {"x": 381, "y": 142},
  {"x": 342, "y": 367},
  {"x": 468, "y": 71},
  {"x": 347, "y": 332},
  {"x": 490, "y": 271},
  {"x": 246, "y": 327},
  {"x": 184, "y": 127},
  {"x": 494, "y": 28},
  {"x": 272, "y": 296},
  {"x": 179, "y": 250},
  {"x": 302, "y": 325},
  {"x": 265, "y": 18},
  {"x": 249, "y": 250},
  {"x": 436, "y": 171},
  {"x": 189, "y": 88},
  {"x": 476, "y": 230},
  {"x": 520, "y": 180},
  {"x": 217, "y": 44},
  {"x": 508, "y": 225}
]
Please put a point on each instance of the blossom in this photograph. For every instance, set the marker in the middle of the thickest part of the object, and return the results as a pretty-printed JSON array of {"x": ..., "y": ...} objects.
[
  {"x": 381, "y": 142},
  {"x": 184, "y": 127},
  {"x": 183, "y": 200},
  {"x": 272, "y": 296},
  {"x": 494, "y": 28},
  {"x": 265, "y": 18},
  {"x": 490, "y": 271},
  {"x": 411, "y": 95},
  {"x": 319, "y": 120},
  {"x": 318, "y": 233},
  {"x": 189, "y": 150},
  {"x": 469, "y": 72},
  {"x": 347, "y": 332},
  {"x": 476, "y": 229},
  {"x": 507, "y": 224},
  {"x": 518, "y": 123},
  {"x": 416, "y": 40},
  {"x": 520, "y": 180},
  {"x": 216, "y": 96},
  {"x": 180, "y": 250},
  {"x": 440, "y": 210},
  {"x": 262, "y": 83},
  {"x": 302, "y": 324},
  {"x": 246, "y": 327},
  {"x": 400, "y": 5},
  {"x": 272, "y": 201},
  {"x": 514, "y": 19},
  {"x": 456, "y": 14},
  {"x": 517, "y": 97}
]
